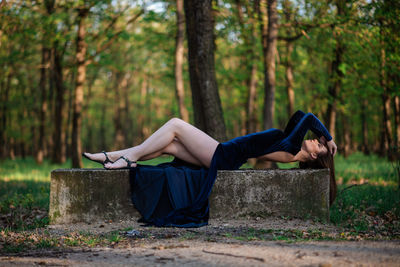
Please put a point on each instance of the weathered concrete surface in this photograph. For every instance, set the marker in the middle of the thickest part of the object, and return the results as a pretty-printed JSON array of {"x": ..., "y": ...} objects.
[
  {"x": 296, "y": 192},
  {"x": 88, "y": 195}
]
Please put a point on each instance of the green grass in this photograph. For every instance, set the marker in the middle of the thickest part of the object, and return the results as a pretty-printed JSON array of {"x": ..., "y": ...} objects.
[
  {"x": 358, "y": 167},
  {"x": 25, "y": 186}
]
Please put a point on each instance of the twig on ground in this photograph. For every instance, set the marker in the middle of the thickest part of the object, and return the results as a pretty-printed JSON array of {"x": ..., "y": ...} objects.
[
  {"x": 350, "y": 186},
  {"x": 236, "y": 256}
]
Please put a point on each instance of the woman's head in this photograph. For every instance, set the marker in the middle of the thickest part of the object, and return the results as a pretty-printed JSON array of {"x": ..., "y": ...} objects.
[
  {"x": 314, "y": 149},
  {"x": 320, "y": 158}
]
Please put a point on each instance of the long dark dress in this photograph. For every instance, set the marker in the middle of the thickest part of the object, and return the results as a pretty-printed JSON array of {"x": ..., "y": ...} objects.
[{"x": 176, "y": 193}]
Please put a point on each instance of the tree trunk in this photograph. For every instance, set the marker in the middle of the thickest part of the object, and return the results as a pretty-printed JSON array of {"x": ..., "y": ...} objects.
[
  {"x": 4, "y": 113},
  {"x": 385, "y": 104},
  {"x": 334, "y": 88},
  {"x": 269, "y": 75},
  {"x": 103, "y": 130},
  {"x": 346, "y": 137},
  {"x": 365, "y": 147},
  {"x": 68, "y": 129},
  {"x": 59, "y": 155},
  {"x": 179, "y": 51},
  {"x": 249, "y": 61},
  {"x": 251, "y": 122},
  {"x": 269, "y": 33},
  {"x": 128, "y": 123},
  {"x": 289, "y": 78},
  {"x": 43, "y": 104},
  {"x": 89, "y": 146},
  {"x": 396, "y": 103},
  {"x": 119, "y": 138},
  {"x": 144, "y": 105},
  {"x": 288, "y": 63},
  {"x": 206, "y": 101},
  {"x": 336, "y": 74},
  {"x": 78, "y": 99}
]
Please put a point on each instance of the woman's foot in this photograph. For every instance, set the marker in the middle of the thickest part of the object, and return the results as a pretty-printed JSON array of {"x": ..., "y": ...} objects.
[
  {"x": 121, "y": 163},
  {"x": 101, "y": 157}
]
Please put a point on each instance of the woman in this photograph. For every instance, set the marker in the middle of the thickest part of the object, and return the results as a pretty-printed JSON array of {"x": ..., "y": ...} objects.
[{"x": 188, "y": 200}]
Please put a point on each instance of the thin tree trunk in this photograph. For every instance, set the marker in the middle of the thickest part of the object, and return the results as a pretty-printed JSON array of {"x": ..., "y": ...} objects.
[
  {"x": 289, "y": 64},
  {"x": 268, "y": 12},
  {"x": 270, "y": 56},
  {"x": 365, "y": 147},
  {"x": 59, "y": 155},
  {"x": 251, "y": 122},
  {"x": 336, "y": 74},
  {"x": 396, "y": 103},
  {"x": 346, "y": 137},
  {"x": 22, "y": 114},
  {"x": 385, "y": 104},
  {"x": 48, "y": 143},
  {"x": 43, "y": 105},
  {"x": 78, "y": 99},
  {"x": 179, "y": 51},
  {"x": 4, "y": 114},
  {"x": 334, "y": 88},
  {"x": 249, "y": 60},
  {"x": 128, "y": 123},
  {"x": 289, "y": 78},
  {"x": 90, "y": 140},
  {"x": 206, "y": 101},
  {"x": 144, "y": 105},
  {"x": 68, "y": 128},
  {"x": 103, "y": 130},
  {"x": 119, "y": 138}
]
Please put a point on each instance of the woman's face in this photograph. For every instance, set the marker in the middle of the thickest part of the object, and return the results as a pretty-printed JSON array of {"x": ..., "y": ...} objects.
[{"x": 314, "y": 147}]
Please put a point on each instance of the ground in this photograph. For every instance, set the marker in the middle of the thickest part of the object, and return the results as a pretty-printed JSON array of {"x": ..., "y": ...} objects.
[{"x": 248, "y": 241}]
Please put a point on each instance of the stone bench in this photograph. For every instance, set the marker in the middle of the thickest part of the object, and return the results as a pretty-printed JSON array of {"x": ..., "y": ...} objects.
[{"x": 89, "y": 195}]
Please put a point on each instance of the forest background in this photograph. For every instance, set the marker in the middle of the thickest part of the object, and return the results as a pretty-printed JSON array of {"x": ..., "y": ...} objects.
[{"x": 103, "y": 75}]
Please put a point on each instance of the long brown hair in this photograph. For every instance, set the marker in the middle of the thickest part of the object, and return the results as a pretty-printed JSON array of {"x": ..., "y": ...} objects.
[{"x": 322, "y": 162}]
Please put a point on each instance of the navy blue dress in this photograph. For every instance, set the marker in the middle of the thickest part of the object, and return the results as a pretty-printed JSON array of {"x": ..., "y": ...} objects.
[{"x": 176, "y": 193}]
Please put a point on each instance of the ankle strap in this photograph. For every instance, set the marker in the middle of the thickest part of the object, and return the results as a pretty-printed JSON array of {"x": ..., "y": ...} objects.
[{"x": 128, "y": 162}]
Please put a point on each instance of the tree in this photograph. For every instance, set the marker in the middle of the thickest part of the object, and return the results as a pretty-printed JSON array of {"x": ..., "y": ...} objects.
[
  {"x": 249, "y": 60},
  {"x": 269, "y": 36},
  {"x": 205, "y": 97},
  {"x": 79, "y": 82},
  {"x": 179, "y": 51},
  {"x": 43, "y": 106},
  {"x": 336, "y": 71}
]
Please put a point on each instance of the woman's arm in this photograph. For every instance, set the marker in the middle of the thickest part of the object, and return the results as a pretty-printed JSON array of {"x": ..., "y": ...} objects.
[
  {"x": 308, "y": 122},
  {"x": 278, "y": 156},
  {"x": 293, "y": 121}
]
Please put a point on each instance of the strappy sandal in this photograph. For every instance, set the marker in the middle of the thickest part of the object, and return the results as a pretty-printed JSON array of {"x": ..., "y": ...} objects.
[
  {"x": 107, "y": 160},
  {"x": 128, "y": 164}
]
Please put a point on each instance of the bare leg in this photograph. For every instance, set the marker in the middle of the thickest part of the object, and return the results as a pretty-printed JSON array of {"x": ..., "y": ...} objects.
[
  {"x": 197, "y": 143},
  {"x": 175, "y": 149}
]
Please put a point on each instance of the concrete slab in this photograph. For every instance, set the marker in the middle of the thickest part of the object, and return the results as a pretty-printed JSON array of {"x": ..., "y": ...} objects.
[{"x": 91, "y": 195}]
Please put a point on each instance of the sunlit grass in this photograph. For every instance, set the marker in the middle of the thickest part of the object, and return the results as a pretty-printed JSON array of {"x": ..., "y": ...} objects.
[{"x": 359, "y": 167}]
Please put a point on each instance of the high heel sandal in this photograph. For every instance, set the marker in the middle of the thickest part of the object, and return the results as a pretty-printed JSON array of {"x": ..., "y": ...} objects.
[
  {"x": 128, "y": 164},
  {"x": 107, "y": 160}
]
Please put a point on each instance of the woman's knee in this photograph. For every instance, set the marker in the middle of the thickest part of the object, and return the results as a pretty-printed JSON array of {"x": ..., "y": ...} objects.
[
  {"x": 175, "y": 121},
  {"x": 176, "y": 124}
]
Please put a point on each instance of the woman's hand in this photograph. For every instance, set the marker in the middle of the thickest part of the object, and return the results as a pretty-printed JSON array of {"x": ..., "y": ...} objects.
[{"x": 331, "y": 145}]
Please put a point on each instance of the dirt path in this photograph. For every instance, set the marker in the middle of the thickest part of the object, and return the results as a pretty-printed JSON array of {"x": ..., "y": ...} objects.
[
  {"x": 222, "y": 243},
  {"x": 193, "y": 253}
]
